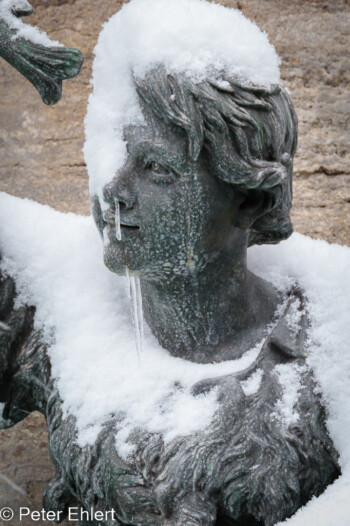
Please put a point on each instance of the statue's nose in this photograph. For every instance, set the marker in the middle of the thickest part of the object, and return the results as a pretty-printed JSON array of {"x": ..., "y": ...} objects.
[{"x": 120, "y": 189}]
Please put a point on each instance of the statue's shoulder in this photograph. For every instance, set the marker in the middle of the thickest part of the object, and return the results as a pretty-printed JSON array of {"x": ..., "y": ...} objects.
[
  {"x": 19, "y": 352},
  {"x": 16, "y": 322}
]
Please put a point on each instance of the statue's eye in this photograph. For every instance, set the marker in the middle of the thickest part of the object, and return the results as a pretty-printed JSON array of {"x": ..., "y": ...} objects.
[
  {"x": 159, "y": 174},
  {"x": 155, "y": 167}
]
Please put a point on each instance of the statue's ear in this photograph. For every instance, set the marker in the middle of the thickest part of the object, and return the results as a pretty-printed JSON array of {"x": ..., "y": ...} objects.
[{"x": 251, "y": 204}]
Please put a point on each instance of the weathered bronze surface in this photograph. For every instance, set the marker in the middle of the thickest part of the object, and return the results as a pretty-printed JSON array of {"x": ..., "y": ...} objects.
[
  {"x": 44, "y": 67},
  {"x": 245, "y": 470},
  {"x": 209, "y": 174}
]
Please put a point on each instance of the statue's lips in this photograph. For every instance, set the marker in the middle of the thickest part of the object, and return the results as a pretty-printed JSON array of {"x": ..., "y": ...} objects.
[
  {"x": 109, "y": 219},
  {"x": 129, "y": 227},
  {"x": 123, "y": 228}
]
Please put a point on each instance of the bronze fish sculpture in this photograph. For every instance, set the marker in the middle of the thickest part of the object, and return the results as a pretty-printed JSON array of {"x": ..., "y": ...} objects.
[{"x": 45, "y": 66}]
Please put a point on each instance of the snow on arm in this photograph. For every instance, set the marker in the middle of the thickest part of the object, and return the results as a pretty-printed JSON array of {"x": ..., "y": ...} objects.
[{"x": 26, "y": 31}]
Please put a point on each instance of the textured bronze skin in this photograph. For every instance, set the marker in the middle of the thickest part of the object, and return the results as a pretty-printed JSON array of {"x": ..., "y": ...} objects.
[{"x": 246, "y": 469}]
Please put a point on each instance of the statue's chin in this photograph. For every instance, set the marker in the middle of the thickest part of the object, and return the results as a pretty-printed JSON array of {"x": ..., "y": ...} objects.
[
  {"x": 119, "y": 261},
  {"x": 114, "y": 261}
]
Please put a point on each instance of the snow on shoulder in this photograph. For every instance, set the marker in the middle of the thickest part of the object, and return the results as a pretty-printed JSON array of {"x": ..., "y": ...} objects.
[
  {"x": 195, "y": 37},
  {"x": 93, "y": 328}
]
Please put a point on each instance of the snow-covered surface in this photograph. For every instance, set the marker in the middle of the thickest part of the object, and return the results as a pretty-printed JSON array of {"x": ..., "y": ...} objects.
[
  {"x": 57, "y": 262},
  {"x": 294, "y": 316},
  {"x": 289, "y": 376},
  {"x": 26, "y": 31},
  {"x": 323, "y": 271},
  {"x": 252, "y": 384},
  {"x": 198, "y": 38}
]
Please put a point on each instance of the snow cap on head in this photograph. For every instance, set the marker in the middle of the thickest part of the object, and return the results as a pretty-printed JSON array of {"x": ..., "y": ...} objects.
[{"x": 195, "y": 37}]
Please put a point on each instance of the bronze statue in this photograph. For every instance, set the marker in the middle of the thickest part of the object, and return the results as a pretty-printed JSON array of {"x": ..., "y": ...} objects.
[{"x": 206, "y": 176}]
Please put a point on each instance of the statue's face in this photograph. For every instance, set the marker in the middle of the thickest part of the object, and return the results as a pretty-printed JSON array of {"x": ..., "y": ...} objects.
[{"x": 175, "y": 216}]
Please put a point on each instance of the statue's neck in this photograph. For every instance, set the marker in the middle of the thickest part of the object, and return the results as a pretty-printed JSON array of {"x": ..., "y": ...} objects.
[{"x": 212, "y": 315}]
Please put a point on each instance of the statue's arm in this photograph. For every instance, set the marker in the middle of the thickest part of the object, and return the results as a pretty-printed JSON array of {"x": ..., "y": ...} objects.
[
  {"x": 45, "y": 67},
  {"x": 24, "y": 364}
]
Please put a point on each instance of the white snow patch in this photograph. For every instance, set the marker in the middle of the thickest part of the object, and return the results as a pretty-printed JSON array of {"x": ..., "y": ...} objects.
[
  {"x": 57, "y": 262},
  {"x": 323, "y": 272},
  {"x": 252, "y": 384},
  {"x": 198, "y": 38},
  {"x": 56, "y": 256},
  {"x": 289, "y": 375},
  {"x": 293, "y": 318},
  {"x": 332, "y": 508},
  {"x": 26, "y": 31}
]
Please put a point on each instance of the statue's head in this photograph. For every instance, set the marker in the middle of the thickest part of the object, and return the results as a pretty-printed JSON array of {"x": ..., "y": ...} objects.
[{"x": 207, "y": 171}]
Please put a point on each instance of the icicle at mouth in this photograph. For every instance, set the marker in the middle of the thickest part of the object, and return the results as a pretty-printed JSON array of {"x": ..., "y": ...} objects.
[
  {"x": 135, "y": 297},
  {"x": 118, "y": 232},
  {"x": 105, "y": 237}
]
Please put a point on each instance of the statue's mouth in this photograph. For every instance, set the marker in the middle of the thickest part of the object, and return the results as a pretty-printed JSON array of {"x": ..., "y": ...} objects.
[
  {"x": 129, "y": 227},
  {"x": 109, "y": 219}
]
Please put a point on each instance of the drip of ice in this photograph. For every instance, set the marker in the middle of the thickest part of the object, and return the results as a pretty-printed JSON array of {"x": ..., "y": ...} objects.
[
  {"x": 135, "y": 296},
  {"x": 105, "y": 237},
  {"x": 118, "y": 232}
]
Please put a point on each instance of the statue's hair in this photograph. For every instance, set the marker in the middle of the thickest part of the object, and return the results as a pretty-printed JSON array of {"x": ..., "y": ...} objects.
[{"x": 249, "y": 133}]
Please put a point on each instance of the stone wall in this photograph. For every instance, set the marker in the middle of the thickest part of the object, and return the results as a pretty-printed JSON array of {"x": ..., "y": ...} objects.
[{"x": 40, "y": 152}]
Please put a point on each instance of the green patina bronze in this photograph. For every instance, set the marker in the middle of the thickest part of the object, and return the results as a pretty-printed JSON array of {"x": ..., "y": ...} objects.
[
  {"x": 45, "y": 67},
  {"x": 209, "y": 174}
]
